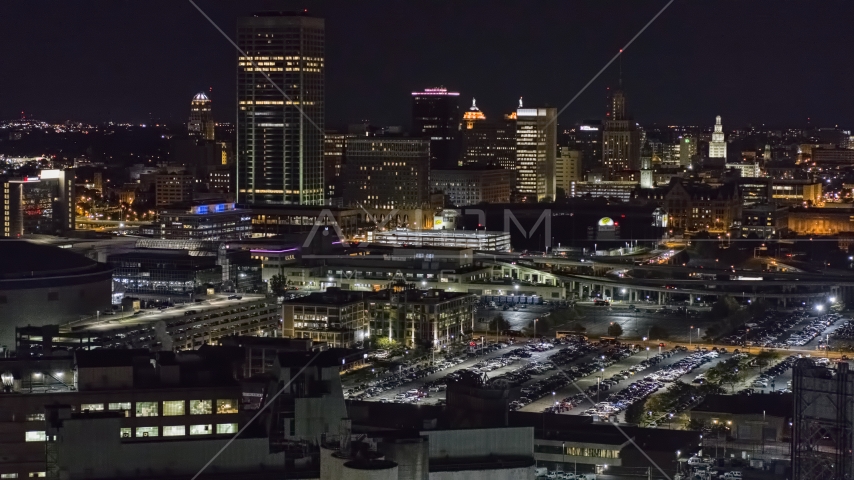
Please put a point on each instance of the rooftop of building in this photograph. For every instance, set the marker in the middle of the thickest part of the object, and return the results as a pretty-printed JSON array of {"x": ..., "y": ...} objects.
[
  {"x": 333, "y": 357},
  {"x": 276, "y": 13},
  {"x": 147, "y": 317},
  {"x": 441, "y": 233},
  {"x": 775, "y": 404},
  {"x": 292, "y": 344},
  {"x": 299, "y": 209},
  {"x": 213, "y": 206},
  {"x": 471, "y": 168},
  {"x": 412, "y": 295},
  {"x": 24, "y": 259},
  {"x": 764, "y": 207},
  {"x": 332, "y": 296},
  {"x": 106, "y": 358}
]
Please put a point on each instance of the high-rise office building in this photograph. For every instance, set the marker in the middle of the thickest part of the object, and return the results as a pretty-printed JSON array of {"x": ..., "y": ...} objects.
[
  {"x": 488, "y": 142},
  {"x": 620, "y": 139},
  {"x": 479, "y": 137},
  {"x": 280, "y": 137},
  {"x": 717, "y": 147},
  {"x": 43, "y": 204},
  {"x": 201, "y": 117},
  {"x": 505, "y": 142},
  {"x": 687, "y": 149},
  {"x": 436, "y": 116},
  {"x": 587, "y": 137},
  {"x": 387, "y": 172},
  {"x": 333, "y": 164},
  {"x": 536, "y": 149},
  {"x": 567, "y": 169},
  {"x": 172, "y": 188}
]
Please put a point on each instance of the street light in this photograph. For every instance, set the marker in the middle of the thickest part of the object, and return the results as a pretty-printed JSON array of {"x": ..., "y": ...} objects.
[{"x": 819, "y": 307}]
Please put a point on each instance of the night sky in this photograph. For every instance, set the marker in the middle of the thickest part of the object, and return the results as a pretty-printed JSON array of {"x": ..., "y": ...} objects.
[{"x": 773, "y": 62}]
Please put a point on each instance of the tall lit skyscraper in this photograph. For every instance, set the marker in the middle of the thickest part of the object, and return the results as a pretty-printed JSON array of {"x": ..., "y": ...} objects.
[
  {"x": 505, "y": 142},
  {"x": 620, "y": 139},
  {"x": 479, "y": 138},
  {"x": 436, "y": 116},
  {"x": 587, "y": 137},
  {"x": 201, "y": 117},
  {"x": 536, "y": 149},
  {"x": 280, "y": 137},
  {"x": 717, "y": 147}
]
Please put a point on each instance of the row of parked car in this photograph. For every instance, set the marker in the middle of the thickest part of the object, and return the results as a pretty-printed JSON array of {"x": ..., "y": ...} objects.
[
  {"x": 814, "y": 329},
  {"x": 575, "y": 349},
  {"x": 774, "y": 330},
  {"x": 544, "y": 473},
  {"x": 396, "y": 379},
  {"x": 845, "y": 332},
  {"x": 772, "y": 373},
  {"x": 765, "y": 331}
]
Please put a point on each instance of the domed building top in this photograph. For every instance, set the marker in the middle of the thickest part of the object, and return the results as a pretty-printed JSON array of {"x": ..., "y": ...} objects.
[
  {"x": 473, "y": 115},
  {"x": 201, "y": 97}
]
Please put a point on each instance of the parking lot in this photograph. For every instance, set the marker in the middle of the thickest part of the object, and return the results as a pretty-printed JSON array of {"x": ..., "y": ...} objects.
[
  {"x": 412, "y": 384},
  {"x": 610, "y": 391}
]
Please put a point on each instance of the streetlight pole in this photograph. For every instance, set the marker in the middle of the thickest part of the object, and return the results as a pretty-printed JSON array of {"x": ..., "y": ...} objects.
[{"x": 563, "y": 452}]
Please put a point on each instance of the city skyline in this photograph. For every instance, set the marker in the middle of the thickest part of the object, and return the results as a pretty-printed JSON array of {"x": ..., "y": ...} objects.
[{"x": 476, "y": 57}]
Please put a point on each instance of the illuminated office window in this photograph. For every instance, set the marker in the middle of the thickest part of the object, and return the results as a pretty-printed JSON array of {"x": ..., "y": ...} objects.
[
  {"x": 201, "y": 429},
  {"x": 174, "y": 430},
  {"x": 172, "y": 408},
  {"x": 201, "y": 407},
  {"x": 146, "y": 409},
  {"x": 226, "y": 406},
  {"x": 146, "y": 431}
]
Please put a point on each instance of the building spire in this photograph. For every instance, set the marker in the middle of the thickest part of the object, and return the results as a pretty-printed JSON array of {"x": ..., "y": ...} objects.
[
  {"x": 520, "y": 102},
  {"x": 473, "y": 103}
]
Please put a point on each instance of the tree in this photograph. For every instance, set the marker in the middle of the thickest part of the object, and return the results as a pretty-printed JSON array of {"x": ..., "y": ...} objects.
[
  {"x": 615, "y": 330},
  {"x": 726, "y": 373},
  {"x": 696, "y": 424},
  {"x": 386, "y": 343},
  {"x": 658, "y": 333},
  {"x": 635, "y": 412},
  {"x": 724, "y": 307},
  {"x": 577, "y": 327},
  {"x": 499, "y": 324},
  {"x": 757, "y": 308},
  {"x": 278, "y": 283},
  {"x": 765, "y": 357}
]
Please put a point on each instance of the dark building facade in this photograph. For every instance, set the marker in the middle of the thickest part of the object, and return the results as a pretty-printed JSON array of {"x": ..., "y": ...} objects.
[
  {"x": 280, "y": 137},
  {"x": 387, "y": 172},
  {"x": 587, "y": 137},
  {"x": 436, "y": 116}
]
